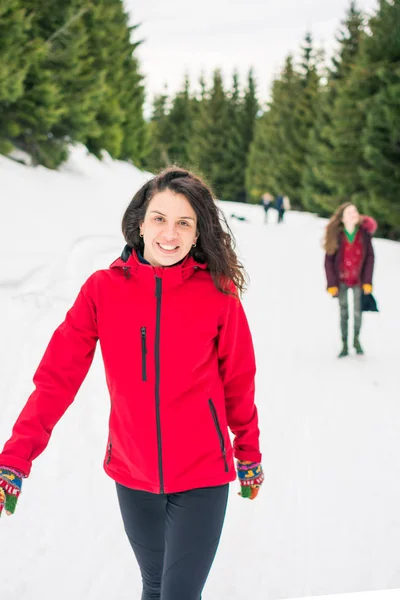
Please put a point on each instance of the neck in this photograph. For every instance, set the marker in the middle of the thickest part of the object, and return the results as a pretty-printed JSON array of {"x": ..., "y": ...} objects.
[{"x": 350, "y": 228}]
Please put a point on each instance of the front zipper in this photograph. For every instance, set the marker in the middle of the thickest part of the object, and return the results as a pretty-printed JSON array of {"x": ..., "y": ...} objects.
[
  {"x": 157, "y": 388},
  {"x": 144, "y": 352},
  {"x": 218, "y": 428}
]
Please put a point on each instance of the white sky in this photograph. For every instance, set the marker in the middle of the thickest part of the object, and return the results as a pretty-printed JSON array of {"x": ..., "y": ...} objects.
[{"x": 181, "y": 36}]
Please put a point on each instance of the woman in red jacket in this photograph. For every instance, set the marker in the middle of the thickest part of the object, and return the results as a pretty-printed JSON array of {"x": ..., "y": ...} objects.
[
  {"x": 349, "y": 264},
  {"x": 180, "y": 367}
]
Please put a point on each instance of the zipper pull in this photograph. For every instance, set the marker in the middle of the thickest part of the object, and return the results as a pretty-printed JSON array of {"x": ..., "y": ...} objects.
[{"x": 109, "y": 453}]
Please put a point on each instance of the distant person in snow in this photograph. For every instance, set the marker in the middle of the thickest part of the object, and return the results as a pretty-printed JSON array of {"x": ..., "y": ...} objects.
[
  {"x": 266, "y": 201},
  {"x": 282, "y": 204},
  {"x": 180, "y": 368},
  {"x": 349, "y": 264}
]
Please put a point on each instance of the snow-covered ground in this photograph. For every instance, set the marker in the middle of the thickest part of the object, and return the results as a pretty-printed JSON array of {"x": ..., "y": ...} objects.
[{"x": 327, "y": 519}]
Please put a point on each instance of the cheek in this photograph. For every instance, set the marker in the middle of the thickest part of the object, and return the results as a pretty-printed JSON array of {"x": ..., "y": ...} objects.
[
  {"x": 149, "y": 230},
  {"x": 190, "y": 237}
]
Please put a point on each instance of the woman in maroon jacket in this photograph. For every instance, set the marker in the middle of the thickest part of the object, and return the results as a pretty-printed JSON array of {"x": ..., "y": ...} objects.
[
  {"x": 349, "y": 264},
  {"x": 180, "y": 369}
]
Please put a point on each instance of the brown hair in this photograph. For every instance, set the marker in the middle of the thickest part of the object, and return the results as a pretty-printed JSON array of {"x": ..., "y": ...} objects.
[
  {"x": 334, "y": 227},
  {"x": 215, "y": 244}
]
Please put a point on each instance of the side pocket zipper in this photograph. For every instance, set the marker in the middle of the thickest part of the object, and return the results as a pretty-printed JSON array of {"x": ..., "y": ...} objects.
[
  {"x": 218, "y": 428},
  {"x": 144, "y": 352},
  {"x": 109, "y": 451}
]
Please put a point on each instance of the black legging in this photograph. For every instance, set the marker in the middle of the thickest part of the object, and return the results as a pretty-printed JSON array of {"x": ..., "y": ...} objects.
[{"x": 174, "y": 537}]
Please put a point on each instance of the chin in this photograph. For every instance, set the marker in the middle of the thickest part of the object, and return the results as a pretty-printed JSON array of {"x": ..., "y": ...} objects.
[{"x": 167, "y": 261}]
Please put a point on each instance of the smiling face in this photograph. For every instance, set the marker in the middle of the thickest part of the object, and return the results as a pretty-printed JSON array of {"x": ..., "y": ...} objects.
[
  {"x": 169, "y": 229},
  {"x": 351, "y": 217}
]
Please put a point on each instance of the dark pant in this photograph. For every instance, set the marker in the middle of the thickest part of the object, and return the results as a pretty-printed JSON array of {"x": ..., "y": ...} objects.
[
  {"x": 174, "y": 537},
  {"x": 281, "y": 213},
  {"x": 344, "y": 309}
]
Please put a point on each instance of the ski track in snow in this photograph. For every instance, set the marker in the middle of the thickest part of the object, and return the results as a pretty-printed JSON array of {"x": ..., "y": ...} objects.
[
  {"x": 12, "y": 285},
  {"x": 326, "y": 520}
]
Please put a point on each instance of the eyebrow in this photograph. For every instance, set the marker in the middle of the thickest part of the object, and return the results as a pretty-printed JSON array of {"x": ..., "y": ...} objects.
[{"x": 162, "y": 214}]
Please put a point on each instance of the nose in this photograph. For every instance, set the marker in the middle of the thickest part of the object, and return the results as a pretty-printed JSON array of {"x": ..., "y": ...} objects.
[{"x": 169, "y": 231}]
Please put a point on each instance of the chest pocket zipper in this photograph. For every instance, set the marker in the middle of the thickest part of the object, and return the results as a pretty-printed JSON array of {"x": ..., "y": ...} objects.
[
  {"x": 219, "y": 432},
  {"x": 144, "y": 352}
]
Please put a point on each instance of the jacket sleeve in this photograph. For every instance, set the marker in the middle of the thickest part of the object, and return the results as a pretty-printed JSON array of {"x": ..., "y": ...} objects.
[
  {"x": 330, "y": 270},
  {"x": 237, "y": 369},
  {"x": 368, "y": 268},
  {"x": 57, "y": 380}
]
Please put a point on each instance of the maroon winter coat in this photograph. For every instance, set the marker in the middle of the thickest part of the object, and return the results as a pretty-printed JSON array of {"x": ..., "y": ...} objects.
[
  {"x": 333, "y": 261},
  {"x": 180, "y": 369}
]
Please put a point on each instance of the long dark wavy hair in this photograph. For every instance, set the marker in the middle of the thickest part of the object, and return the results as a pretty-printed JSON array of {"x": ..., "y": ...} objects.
[
  {"x": 334, "y": 227},
  {"x": 215, "y": 245}
]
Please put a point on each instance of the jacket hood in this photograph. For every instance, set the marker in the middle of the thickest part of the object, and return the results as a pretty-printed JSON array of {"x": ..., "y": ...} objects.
[{"x": 369, "y": 224}]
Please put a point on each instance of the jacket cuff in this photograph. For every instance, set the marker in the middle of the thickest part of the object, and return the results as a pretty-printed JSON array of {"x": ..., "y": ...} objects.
[
  {"x": 251, "y": 455},
  {"x": 13, "y": 462}
]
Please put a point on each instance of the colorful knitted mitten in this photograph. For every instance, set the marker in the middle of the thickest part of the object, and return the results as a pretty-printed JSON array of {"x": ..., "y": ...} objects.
[
  {"x": 10, "y": 489},
  {"x": 251, "y": 477}
]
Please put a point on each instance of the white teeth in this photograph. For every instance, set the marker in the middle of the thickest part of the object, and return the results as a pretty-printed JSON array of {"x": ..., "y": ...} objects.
[{"x": 165, "y": 247}]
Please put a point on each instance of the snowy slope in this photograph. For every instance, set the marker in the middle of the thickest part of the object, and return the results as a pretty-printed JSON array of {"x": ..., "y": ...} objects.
[{"x": 327, "y": 520}]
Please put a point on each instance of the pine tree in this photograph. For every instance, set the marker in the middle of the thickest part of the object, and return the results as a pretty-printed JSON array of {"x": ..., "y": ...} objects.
[
  {"x": 259, "y": 174},
  {"x": 283, "y": 134},
  {"x": 237, "y": 142},
  {"x": 72, "y": 64},
  {"x": 198, "y": 151},
  {"x": 319, "y": 179},
  {"x": 217, "y": 136},
  {"x": 250, "y": 110},
  {"x": 181, "y": 125},
  {"x": 378, "y": 83},
  {"x": 348, "y": 38},
  {"x": 316, "y": 193},
  {"x": 209, "y": 150},
  {"x": 305, "y": 116},
  {"x": 14, "y": 32},
  {"x": 345, "y": 160},
  {"x": 79, "y": 80},
  {"x": 159, "y": 133},
  {"x": 135, "y": 143},
  {"x": 16, "y": 55},
  {"x": 35, "y": 112},
  {"x": 276, "y": 155},
  {"x": 61, "y": 88},
  {"x": 112, "y": 52}
]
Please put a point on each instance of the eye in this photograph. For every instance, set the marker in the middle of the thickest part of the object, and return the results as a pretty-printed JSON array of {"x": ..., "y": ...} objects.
[
  {"x": 159, "y": 219},
  {"x": 185, "y": 223}
]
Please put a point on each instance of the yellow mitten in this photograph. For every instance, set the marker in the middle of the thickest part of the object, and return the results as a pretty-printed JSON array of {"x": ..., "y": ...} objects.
[
  {"x": 367, "y": 288},
  {"x": 333, "y": 291}
]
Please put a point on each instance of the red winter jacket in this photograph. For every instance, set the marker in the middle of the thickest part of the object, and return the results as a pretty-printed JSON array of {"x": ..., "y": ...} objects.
[
  {"x": 333, "y": 262},
  {"x": 180, "y": 369}
]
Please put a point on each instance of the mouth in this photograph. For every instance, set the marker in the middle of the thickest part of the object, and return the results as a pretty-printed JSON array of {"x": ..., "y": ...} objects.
[{"x": 167, "y": 248}]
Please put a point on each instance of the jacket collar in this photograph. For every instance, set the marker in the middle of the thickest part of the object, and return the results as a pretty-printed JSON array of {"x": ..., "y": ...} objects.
[{"x": 131, "y": 266}]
